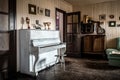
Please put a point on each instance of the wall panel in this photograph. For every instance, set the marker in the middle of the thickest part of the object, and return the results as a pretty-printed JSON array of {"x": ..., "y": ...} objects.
[
  {"x": 107, "y": 8},
  {"x": 22, "y": 11}
]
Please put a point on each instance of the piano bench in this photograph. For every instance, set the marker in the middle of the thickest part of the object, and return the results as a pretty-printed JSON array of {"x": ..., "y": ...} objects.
[{"x": 60, "y": 58}]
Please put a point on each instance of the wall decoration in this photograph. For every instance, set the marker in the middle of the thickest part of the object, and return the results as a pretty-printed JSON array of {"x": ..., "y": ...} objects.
[
  {"x": 32, "y": 9},
  {"x": 41, "y": 11},
  {"x": 22, "y": 22},
  {"x": 37, "y": 11},
  {"x": 112, "y": 23},
  {"x": 99, "y": 29},
  {"x": 111, "y": 16},
  {"x": 47, "y": 12},
  {"x": 119, "y": 17},
  {"x": 102, "y": 17},
  {"x": 118, "y": 25}
]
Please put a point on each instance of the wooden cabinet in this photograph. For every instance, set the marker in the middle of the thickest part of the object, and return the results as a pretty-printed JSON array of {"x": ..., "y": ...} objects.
[
  {"x": 73, "y": 34},
  {"x": 94, "y": 44}
]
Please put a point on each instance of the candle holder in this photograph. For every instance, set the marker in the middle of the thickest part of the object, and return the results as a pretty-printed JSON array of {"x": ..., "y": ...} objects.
[
  {"x": 48, "y": 24},
  {"x": 22, "y": 22},
  {"x": 45, "y": 24},
  {"x": 28, "y": 21}
]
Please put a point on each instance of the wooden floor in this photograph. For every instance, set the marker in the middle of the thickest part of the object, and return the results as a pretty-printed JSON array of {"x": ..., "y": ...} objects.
[{"x": 77, "y": 69}]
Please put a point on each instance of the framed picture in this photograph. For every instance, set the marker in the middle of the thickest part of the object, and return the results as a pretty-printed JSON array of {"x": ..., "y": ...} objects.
[
  {"x": 102, "y": 17},
  {"x": 112, "y": 23},
  {"x": 47, "y": 12},
  {"x": 119, "y": 17},
  {"x": 41, "y": 11},
  {"x": 118, "y": 25},
  {"x": 37, "y": 10},
  {"x": 111, "y": 16},
  {"x": 31, "y": 9}
]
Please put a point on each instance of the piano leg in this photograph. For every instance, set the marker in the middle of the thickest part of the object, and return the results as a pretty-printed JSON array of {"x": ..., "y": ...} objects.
[
  {"x": 35, "y": 65},
  {"x": 62, "y": 51}
]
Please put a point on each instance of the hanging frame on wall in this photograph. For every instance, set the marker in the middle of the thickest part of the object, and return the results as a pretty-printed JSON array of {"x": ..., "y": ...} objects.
[
  {"x": 102, "y": 17},
  {"x": 112, "y": 23},
  {"x": 111, "y": 16},
  {"x": 47, "y": 12},
  {"x": 32, "y": 9}
]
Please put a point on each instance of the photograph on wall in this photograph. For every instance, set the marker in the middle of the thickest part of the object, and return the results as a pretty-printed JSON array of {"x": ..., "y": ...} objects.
[
  {"x": 41, "y": 11},
  {"x": 112, "y": 23},
  {"x": 102, "y": 17},
  {"x": 119, "y": 17},
  {"x": 47, "y": 12},
  {"x": 32, "y": 9}
]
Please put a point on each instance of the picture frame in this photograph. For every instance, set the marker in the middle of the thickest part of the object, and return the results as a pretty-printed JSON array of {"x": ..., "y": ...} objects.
[
  {"x": 111, "y": 16},
  {"x": 37, "y": 10},
  {"x": 32, "y": 9},
  {"x": 119, "y": 17},
  {"x": 118, "y": 25},
  {"x": 41, "y": 11},
  {"x": 47, "y": 12},
  {"x": 112, "y": 23},
  {"x": 102, "y": 17}
]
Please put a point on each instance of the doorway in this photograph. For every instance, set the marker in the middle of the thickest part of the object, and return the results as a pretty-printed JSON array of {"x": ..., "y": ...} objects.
[
  {"x": 7, "y": 30},
  {"x": 60, "y": 23}
]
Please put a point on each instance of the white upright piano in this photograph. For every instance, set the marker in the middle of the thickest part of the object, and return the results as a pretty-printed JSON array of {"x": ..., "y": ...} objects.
[{"x": 38, "y": 49}]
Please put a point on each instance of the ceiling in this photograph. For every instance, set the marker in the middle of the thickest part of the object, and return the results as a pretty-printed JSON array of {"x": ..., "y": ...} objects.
[{"x": 85, "y": 2}]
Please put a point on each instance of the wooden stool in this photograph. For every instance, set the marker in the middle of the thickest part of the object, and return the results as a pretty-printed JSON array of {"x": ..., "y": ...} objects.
[{"x": 60, "y": 58}]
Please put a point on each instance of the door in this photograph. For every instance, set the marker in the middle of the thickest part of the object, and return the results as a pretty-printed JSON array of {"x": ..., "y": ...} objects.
[
  {"x": 7, "y": 31},
  {"x": 73, "y": 34}
]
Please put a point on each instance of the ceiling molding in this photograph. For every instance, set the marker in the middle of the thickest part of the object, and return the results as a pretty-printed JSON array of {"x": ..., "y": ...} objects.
[{"x": 85, "y": 2}]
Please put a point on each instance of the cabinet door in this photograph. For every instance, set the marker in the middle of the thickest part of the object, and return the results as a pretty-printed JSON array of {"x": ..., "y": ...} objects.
[
  {"x": 98, "y": 43},
  {"x": 87, "y": 44},
  {"x": 76, "y": 43}
]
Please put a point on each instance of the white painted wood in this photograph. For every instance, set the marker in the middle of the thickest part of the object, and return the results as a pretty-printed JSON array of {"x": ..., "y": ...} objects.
[
  {"x": 22, "y": 11},
  {"x": 38, "y": 55}
]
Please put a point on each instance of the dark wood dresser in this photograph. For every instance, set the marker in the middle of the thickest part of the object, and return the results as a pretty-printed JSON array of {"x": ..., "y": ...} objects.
[{"x": 93, "y": 44}]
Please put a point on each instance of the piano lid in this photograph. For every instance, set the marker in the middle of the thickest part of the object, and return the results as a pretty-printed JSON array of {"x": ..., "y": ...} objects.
[
  {"x": 43, "y": 34},
  {"x": 45, "y": 38}
]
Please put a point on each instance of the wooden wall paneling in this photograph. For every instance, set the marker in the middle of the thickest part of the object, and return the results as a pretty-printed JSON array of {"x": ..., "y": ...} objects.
[{"x": 107, "y": 8}]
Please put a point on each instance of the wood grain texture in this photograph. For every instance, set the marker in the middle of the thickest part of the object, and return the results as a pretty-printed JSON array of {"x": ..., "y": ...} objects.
[{"x": 107, "y": 8}]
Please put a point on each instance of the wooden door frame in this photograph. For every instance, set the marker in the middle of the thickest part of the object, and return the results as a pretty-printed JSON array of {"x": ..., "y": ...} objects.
[
  {"x": 12, "y": 64},
  {"x": 64, "y": 22}
]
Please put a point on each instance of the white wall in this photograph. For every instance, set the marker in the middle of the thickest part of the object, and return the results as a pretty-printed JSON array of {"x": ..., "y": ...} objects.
[
  {"x": 108, "y": 8},
  {"x": 22, "y": 11}
]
